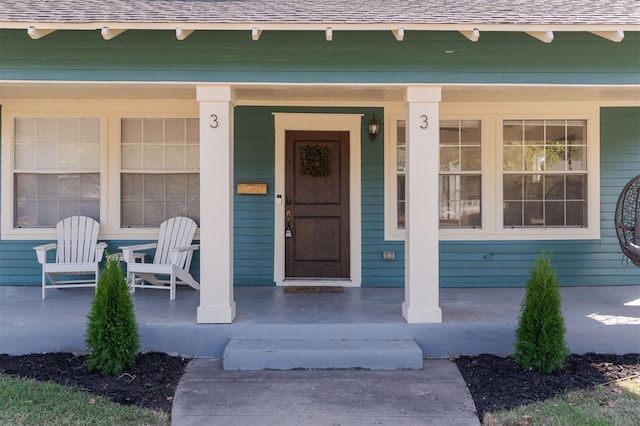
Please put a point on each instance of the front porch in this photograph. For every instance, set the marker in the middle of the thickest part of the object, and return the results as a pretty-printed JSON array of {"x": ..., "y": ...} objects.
[{"x": 475, "y": 320}]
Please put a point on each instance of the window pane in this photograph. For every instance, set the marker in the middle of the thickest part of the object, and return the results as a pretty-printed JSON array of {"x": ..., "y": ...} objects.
[
  {"x": 450, "y": 158},
  {"x": 554, "y": 187},
  {"x": 176, "y": 208},
  {"x": 175, "y": 157},
  {"x": 577, "y": 158},
  {"x": 157, "y": 144},
  {"x": 577, "y": 132},
  {"x": 44, "y": 200},
  {"x": 471, "y": 158},
  {"x": 46, "y": 157},
  {"x": 57, "y": 144},
  {"x": 131, "y": 130},
  {"x": 512, "y": 214},
  {"x": 513, "y": 187},
  {"x": 460, "y": 194},
  {"x": 153, "y": 131},
  {"x": 401, "y": 201},
  {"x": 67, "y": 156},
  {"x": 555, "y": 158},
  {"x": 68, "y": 130},
  {"x": 460, "y": 198},
  {"x": 532, "y": 187},
  {"x": 556, "y": 132},
  {"x": 90, "y": 208},
  {"x": 89, "y": 130},
  {"x": 154, "y": 213},
  {"x": 402, "y": 161},
  {"x": 401, "y": 212},
  {"x": 193, "y": 186},
  {"x": 449, "y": 132},
  {"x": 534, "y": 158},
  {"x": 25, "y": 157},
  {"x": 69, "y": 187},
  {"x": 512, "y": 132},
  {"x": 153, "y": 157},
  {"x": 131, "y": 214},
  {"x": 512, "y": 158},
  {"x": 25, "y": 130},
  {"x": 533, "y": 214},
  {"x": 576, "y": 187},
  {"x": 193, "y": 157},
  {"x": 46, "y": 130},
  {"x": 401, "y": 132},
  {"x": 401, "y": 188},
  {"x": 192, "y": 131},
  {"x": 576, "y": 213},
  {"x": 176, "y": 187},
  {"x": 154, "y": 187},
  {"x": 131, "y": 157},
  {"x": 470, "y": 132},
  {"x": 174, "y": 131},
  {"x": 90, "y": 186},
  {"x": 89, "y": 156},
  {"x": 554, "y": 213},
  {"x": 149, "y": 199},
  {"x": 534, "y": 132}
]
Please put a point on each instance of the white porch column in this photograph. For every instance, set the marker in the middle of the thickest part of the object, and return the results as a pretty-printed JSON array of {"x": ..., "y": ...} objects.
[
  {"x": 216, "y": 205},
  {"x": 422, "y": 303}
]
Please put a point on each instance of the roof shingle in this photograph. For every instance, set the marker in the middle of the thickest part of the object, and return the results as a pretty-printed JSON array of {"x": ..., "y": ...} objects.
[{"x": 500, "y": 12}]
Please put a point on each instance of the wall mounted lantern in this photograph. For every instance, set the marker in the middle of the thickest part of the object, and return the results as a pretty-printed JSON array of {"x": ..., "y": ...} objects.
[{"x": 373, "y": 128}]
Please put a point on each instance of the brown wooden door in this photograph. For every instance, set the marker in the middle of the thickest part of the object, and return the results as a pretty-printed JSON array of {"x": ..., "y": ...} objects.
[{"x": 317, "y": 205}]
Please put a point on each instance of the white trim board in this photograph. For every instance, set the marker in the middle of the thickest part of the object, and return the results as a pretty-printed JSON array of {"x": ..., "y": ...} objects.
[{"x": 326, "y": 122}]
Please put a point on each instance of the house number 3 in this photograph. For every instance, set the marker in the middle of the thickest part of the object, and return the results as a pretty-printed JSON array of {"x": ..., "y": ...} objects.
[
  {"x": 214, "y": 121},
  {"x": 424, "y": 122}
]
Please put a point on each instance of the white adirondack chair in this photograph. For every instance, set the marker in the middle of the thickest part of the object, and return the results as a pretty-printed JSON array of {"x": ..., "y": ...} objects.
[
  {"x": 77, "y": 253},
  {"x": 172, "y": 259}
]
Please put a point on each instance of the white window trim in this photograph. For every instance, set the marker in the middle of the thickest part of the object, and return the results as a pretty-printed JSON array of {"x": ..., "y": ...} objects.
[
  {"x": 110, "y": 113},
  {"x": 492, "y": 115}
]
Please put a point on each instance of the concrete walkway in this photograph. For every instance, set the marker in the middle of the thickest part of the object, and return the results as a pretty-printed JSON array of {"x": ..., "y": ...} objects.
[{"x": 436, "y": 395}]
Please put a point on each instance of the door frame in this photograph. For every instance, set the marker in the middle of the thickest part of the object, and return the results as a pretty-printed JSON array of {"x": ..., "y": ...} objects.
[{"x": 351, "y": 123}]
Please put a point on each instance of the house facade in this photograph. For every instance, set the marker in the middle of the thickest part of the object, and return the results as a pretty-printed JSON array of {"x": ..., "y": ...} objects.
[{"x": 503, "y": 131}]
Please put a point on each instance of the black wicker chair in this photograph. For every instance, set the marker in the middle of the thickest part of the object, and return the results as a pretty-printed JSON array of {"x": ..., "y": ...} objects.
[{"x": 628, "y": 220}]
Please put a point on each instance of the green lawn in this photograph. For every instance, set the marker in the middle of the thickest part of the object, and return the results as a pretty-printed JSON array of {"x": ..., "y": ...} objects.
[
  {"x": 28, "y": 402},
  {"x": 615, "y": 404}
]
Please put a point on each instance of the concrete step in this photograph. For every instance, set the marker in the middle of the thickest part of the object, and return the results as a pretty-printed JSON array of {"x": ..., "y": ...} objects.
[{"x": 258, "y": 354}]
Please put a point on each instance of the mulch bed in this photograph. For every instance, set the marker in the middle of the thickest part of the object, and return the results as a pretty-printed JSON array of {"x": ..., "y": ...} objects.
[
  {"x": 150, "y": 383},
  {"x": 495, "y": 382},
  {"x": 499, "y": 383}
]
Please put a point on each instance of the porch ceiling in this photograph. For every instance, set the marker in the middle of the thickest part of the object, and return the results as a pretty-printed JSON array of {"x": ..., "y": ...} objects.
[{"x": 320, "y": 94}]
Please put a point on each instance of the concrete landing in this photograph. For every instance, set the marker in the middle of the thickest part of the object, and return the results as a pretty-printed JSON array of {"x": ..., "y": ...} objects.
[
  {"x": 435, "y": 395},
  {"x": 321, "y": 353}
]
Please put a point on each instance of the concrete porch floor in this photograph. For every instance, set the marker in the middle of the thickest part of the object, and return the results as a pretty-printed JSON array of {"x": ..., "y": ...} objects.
[{"x": 475, "y": 320}]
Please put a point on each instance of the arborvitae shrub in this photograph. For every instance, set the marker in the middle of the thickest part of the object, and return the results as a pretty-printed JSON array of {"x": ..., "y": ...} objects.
[
  {"x": 112, "y": 332},
  {"x": 540, "y": 342}
]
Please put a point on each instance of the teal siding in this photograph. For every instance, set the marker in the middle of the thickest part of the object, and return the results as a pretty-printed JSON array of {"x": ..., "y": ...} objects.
[
  {"x": 304, "y": 56},
  {"x": 254, "y": 214},
  {"x": 375, "y": 271}
]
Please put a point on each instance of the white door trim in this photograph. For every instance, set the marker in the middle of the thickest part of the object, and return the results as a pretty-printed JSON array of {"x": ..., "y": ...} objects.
[{"x": 323, "y": 122}]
